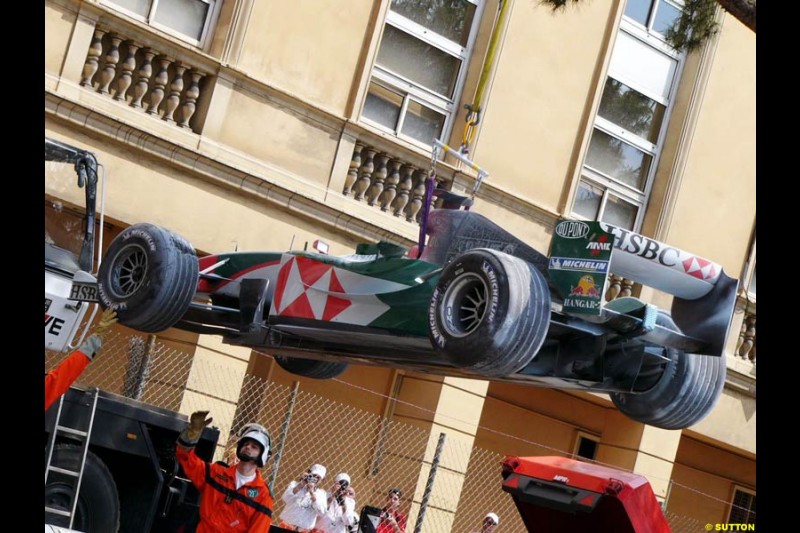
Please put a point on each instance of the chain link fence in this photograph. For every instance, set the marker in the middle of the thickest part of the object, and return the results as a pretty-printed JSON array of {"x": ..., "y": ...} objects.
[{"x": 447, "y": 484}]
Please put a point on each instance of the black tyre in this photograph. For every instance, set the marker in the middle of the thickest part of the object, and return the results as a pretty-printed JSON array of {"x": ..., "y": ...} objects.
[
  {"x": 689, "y": 387},
  {"x": 310, "y": 368},
  {"x": 489, "y": 312},
  {"x": 149, "y": 275},
  {"x": 98, "y": 503}
]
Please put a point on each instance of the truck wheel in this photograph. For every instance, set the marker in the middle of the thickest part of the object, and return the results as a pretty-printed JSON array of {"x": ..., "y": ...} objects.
[
  {"x": 689, "y": 387},
  {"x": 98, "y": 503},
  {"x": 310, "y": 368},
  {"x": 149, "y": 275},
  {"x": 489, "y": 312}
]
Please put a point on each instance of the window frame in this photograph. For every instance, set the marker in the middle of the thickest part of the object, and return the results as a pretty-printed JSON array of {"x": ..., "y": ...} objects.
[
  {"x": 411, "y": 91},
  {"x": 205, "y": 34},
  {"x": 608, "y": 184},
  {"x": 749, "y": 274},
  {"x": 577, "y": 444},
  {"x": 745, "y": 490}
]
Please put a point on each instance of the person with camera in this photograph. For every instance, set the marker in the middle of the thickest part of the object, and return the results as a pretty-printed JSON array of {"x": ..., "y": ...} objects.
[
  {"x": 232, "y": 498},
  {"x": 305, "y": 500},
  {"x": 489, "y": 523},
  {"x": 392, "y": 520},
  {"x": 341, "y": 515}
]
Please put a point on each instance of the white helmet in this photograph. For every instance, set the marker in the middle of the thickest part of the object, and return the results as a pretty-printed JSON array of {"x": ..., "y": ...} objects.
[{"x": 258, "y": 433}]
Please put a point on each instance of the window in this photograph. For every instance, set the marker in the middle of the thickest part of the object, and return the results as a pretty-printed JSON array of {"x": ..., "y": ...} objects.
[
  {"x": 749, "y": 280},
  {"x": 189, "y": 20},
  {"x": 585, "y": 446},
  {"x": 743, "y": 507},
  {"x": 420, "y": 67},
  {"x": 627, "y": 132}
]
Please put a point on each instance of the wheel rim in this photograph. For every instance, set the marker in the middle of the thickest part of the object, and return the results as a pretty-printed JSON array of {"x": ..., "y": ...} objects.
[
  {"x": 464, "y": 305},
  {"x": 59, "y": 496},
  {"x": 130, "y": 269}
]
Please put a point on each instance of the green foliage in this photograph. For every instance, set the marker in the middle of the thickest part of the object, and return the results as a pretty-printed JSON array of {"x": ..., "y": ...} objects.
[{"x": 695, "y": 25}]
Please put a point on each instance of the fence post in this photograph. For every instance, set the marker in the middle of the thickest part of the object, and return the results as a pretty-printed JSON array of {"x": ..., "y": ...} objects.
[
  {"x": 137, "y": 371},
  {"x": 284, "y": 431},
  {"x": 429, "y": 485}
]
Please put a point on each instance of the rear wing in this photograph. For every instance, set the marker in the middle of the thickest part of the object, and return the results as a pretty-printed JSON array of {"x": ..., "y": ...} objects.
[{"x": 582, "y": 254}]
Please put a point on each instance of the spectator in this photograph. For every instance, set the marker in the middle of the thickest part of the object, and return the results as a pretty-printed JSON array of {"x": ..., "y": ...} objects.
[
  {"x": 58, "y": 380},
  {"x": 392, "y": 520},
  {"x": 490, "y": 522},
  {"x": 235, "y": 497},
  {"x": 341, "y": 515},
  {"x": 305, "y": 502}
]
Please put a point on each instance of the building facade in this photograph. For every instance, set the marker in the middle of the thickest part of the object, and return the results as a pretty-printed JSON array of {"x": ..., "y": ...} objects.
[{"x": 262, "y": 125}]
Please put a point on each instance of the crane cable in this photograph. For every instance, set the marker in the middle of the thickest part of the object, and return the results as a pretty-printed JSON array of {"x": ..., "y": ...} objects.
[{"x": 473, "y": 117}]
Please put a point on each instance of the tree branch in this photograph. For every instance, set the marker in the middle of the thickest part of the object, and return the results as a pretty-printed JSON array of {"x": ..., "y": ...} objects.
[{"x": 742, "y": 10}]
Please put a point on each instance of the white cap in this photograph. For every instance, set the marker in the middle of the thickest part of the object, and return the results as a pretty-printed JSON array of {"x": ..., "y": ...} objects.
[
  {"x": 318, "y": 470},
  {"x": 493, "y": 517},
  {"x": 342, "y": 477}
]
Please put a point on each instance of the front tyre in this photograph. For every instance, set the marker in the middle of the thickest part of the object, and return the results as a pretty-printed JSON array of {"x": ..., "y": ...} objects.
[
  {"x": 489, "y": 312},
  {"x": 689, "y": 387},
  {"x": 149, "y": 275}
]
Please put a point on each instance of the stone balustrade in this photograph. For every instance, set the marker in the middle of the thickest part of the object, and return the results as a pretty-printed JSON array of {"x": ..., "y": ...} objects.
[
  {"x": 618, "y": 287},
  {"x": 144, "y": 77},
  {"x": 387, "y": 181},
  {"x": 746, "y": 345}
]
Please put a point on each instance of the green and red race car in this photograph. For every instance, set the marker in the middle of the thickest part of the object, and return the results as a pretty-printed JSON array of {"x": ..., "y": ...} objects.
[{"x": 471, "y": 300}]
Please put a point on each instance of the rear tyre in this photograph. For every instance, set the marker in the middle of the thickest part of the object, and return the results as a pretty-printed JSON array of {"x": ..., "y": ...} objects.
[
  {"x": 149, "y": 275},
  {"x": 310, "y": 368},
  {"x": 489, "y": 312},
  {"x": 687, "y": 390},
  {"x": 98, "y": 504}
]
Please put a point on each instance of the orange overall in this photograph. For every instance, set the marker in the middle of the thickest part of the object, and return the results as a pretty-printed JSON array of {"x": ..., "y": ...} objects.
[
  {"x": 58, "y": 380},
  {"x": 222, "y": 506}
]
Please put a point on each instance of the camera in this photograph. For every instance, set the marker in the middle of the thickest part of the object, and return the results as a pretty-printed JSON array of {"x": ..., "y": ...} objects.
[
  {"x": 340, "y": 498},
  {"x": 311, "y": 478}
]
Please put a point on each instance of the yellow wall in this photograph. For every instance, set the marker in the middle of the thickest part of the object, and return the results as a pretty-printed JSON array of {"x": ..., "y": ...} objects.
[
  {"x": 704, "y": 477},
  {"x": 544, "y": 84},
  {"x": 309, "y": 48},
  {"x": 59, "y": 22},
  {"x": 718, "y": 189}
]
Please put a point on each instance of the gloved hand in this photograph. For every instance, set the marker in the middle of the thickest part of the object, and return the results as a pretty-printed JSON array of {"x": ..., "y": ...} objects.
[
  {"x": 108, "y": 318},
  {"x": 92, "y": 345},
  {"x": 197, "y": 422}
]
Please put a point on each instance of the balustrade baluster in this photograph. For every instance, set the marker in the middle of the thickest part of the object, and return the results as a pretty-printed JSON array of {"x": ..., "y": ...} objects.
[
  {"x": 378, "y": 177},
  {"x": 352, "y": 172},
  {"x": 365, "y": 174},
  {"x": 93, "y": 58},
  {"x": 389, "y": 193},
  {"x": 126, "y": 76},
  {"x": 143, "y": 81},
  {"x": 416, "y": 195},
  {"x": 161, "y": 80},
  {"x": 110, "y": 66},
  {"x": 403, "y": 190},
  {"x": 192, "y": 94},
  {"x": 175, "y": 90}
]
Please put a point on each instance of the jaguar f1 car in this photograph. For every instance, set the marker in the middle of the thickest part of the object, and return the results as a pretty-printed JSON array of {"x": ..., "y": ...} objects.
[{"x": 470, "y": 300}]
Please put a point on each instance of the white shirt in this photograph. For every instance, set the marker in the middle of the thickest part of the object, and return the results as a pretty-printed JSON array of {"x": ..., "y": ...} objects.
[
  {"x": 303, "y": 509},
  {"x": 336, "y": 519}
]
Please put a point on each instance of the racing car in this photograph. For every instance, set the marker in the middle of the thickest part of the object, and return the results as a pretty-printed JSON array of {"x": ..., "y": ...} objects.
[{"x": 470, "y": 300}]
